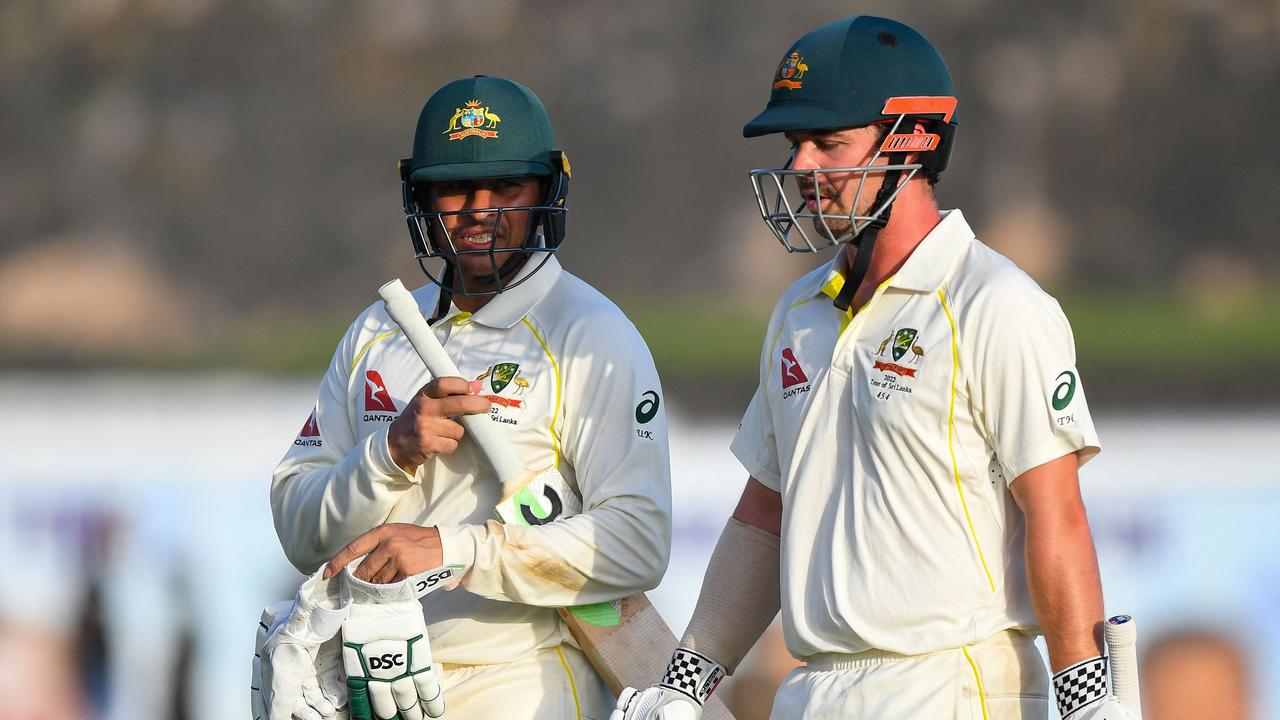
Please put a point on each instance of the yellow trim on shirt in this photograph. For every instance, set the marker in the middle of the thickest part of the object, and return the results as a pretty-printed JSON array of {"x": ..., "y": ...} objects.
[
  {"x": 835, "y": 283},
  {"x": 555, "y": 367},
  {"x": 951, "y": 437},
  {"x": 982, "y": 693},
  {"x": 368, "y": 345},
  {"x": 573, "y": 685}
]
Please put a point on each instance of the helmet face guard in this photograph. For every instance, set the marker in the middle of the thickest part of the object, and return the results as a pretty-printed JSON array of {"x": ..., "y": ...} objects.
[
  {"x": 782, "y": 205},
  {"x": 433, "y": 241}
]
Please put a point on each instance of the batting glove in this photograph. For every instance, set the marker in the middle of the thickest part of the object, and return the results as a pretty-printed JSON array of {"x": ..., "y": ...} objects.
[
  {"x": 1083, "y": 693},
  {"x": 386, "y": 651},
  {"x": 690, "y": 679},
  {"x": 296, "y": 673}
]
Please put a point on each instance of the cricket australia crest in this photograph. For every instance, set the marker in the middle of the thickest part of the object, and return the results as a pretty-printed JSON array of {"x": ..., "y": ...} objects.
[
  {"x": 472, "y": 120},
  {"x": 902, "y": 342},
  {"x": 903, "y": 353},
  {"x": 501, "y": 376}
]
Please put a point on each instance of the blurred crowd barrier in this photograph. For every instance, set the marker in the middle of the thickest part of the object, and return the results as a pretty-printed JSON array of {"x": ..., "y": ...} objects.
[{"x": 138, "y": 547}]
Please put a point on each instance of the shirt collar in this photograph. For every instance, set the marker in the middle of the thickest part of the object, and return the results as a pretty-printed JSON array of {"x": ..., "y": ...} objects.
[
  {"x": 931, "y": 262},
  {"x": 511, "y": 306},
  {"x": 831, "y": 281},
  {"x": 925, "y": 269}
]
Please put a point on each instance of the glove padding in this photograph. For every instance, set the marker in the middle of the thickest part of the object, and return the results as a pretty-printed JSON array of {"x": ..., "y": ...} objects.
[
  {"x": 655, "y": 703},
  {"x": 386, "y": 652},
  {"x": 690, "y": 679},
  {"x": 1083, "y": 693},
  {"x": 296, "y": 672}
]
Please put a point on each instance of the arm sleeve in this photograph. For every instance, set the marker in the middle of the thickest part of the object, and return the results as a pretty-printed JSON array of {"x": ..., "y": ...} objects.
[
  {"x": 615, "y": 437},
  {"x": 1027, "y": 387},
  {"x": 331, "y": 486},
  {"x": 740, "y": 595}
]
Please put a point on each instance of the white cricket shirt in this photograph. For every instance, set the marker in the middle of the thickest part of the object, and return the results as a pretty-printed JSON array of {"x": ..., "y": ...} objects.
[
  {"x": 893, "y": 437},
  {"x": 572, "y": 383}
]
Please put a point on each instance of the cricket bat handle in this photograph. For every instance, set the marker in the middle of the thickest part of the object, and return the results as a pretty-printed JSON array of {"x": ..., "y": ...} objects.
[
  {"x": 404, "y": 310},
  {"x": 1122, "y": 635}
]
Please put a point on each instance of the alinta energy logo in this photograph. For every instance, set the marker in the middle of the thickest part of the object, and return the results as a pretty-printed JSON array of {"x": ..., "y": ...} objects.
[
  {"x": 378, "y": 405},
  {"x": 309, "y": 436},
  {"x": 792, "y": 375},
  {"x": 473, "y": 119}
]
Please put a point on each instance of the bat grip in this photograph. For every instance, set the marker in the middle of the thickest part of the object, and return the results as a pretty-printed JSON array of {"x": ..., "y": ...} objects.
[
  {"x": 404, "y": 310},
  {"x": 1122, "y": 634}
]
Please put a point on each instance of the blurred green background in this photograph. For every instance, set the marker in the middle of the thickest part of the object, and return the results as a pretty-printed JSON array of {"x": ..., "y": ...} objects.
[{"x": 209, "y": 184}]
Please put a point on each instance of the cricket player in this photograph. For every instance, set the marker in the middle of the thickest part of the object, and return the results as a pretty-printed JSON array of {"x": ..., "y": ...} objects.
[
  {"x": 913, "y": 506},
  {"x": 382, "y": 469}
]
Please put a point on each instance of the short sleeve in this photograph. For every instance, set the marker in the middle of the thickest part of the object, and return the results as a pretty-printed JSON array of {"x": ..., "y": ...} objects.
[
  {"x": 1028, "y": 390},
  {"x": 754, "y": 444}
]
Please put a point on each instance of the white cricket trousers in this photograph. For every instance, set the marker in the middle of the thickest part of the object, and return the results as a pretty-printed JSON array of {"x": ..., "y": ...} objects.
[
  {"x": 1001, "y": 678},
  {"x": 555, "y": 684}
]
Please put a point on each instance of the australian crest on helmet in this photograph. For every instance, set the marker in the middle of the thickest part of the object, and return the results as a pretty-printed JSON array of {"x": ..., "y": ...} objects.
[
  {"x": 473, "y": 119},
  {"x": 790, "y": 71}
]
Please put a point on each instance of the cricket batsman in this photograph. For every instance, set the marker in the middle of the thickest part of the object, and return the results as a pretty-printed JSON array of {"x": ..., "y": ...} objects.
[
  {"x": 913, "y": 505},
  {"x": 382, "y": 472}
]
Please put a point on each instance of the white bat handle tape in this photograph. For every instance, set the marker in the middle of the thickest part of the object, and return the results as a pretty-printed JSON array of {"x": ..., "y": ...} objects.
[
  {"x": 404, "y": 310},
  {"x": 1122, "y": 636}
]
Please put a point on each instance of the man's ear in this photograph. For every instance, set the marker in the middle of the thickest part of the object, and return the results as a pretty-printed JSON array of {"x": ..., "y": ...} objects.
[{"x": 918, "y": 128}]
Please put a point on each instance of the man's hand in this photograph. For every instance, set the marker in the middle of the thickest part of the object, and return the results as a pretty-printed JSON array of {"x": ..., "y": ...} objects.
[
  {"x": 690, "y": 679},
  {"x": 655, "y": 703},
  {"x": 296, "y": 657},
  {"x": 395, "y": 551},
  {"x": 1108, "y": 709},
  {"x": 426, "y": 428},
  {"x": 386, "y": 651}
]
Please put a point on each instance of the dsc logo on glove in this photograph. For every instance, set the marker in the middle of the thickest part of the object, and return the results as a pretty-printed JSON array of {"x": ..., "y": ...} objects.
[{"x": 386, "y": 661}]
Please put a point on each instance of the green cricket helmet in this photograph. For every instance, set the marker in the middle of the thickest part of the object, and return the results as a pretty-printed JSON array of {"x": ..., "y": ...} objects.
[
  {"x": 482, "y": 128},
  {"x": 854, "y": 72}
]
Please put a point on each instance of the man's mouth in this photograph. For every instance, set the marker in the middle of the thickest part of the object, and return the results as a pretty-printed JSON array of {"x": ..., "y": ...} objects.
[
  {"x": 813, "y": 199},
  {"x": 477, "y": 240}
]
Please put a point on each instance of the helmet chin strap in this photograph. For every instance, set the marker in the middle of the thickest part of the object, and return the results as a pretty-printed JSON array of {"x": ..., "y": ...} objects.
[
  {"x": 451, "y": 272},
  {"x": 865, "y": 240},
  {"x": 446, "y": 294}
]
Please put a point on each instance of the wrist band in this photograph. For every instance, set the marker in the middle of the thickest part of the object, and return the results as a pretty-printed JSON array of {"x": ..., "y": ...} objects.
[
  {"x": 693, "y": 674},
  {"x": 1080, "y": 685}
]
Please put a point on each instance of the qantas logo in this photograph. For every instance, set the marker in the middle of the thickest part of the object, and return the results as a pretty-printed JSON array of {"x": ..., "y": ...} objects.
[
  {"x": 794, "y": 381},
  {"x": 311, "y": 428},
  {"x": 376, "y": 397},
  {"x": 309, "y": 436},
  {"x": 791, "y": 372}
]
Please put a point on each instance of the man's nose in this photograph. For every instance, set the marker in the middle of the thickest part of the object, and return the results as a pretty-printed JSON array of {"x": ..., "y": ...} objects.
[
  {"x": 480, "y": 198},
  {"x": 805, "y": 157}
]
